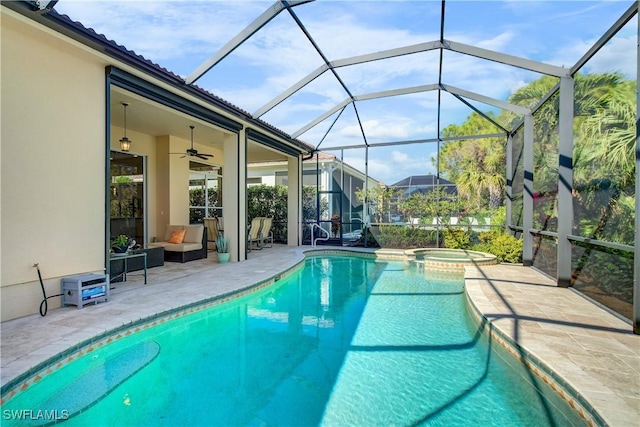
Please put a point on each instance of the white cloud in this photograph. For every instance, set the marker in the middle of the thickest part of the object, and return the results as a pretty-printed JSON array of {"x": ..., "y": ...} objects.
[
  {"x": 619, "y": 55},
  {"x": 162, "y": 31},
  {"x": 497, "y": 43},
  {"x": 401, "y": 162},
  {"x": 396, "y": 128}
]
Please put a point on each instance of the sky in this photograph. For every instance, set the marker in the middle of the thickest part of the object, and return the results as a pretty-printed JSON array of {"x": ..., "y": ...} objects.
[{"x": 181, "y": 35}]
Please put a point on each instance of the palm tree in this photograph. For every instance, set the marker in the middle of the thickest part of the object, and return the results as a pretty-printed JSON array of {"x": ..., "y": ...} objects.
[
  {"x": 610, "y": 132},
  {"x": 477, "y": 166}
]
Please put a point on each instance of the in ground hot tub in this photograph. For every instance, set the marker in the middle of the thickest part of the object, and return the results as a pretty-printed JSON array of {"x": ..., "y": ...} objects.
[{"x": 449, "y": 259}]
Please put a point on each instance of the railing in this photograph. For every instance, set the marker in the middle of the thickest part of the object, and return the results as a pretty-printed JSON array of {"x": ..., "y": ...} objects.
[{"x": 313, "y": 241}]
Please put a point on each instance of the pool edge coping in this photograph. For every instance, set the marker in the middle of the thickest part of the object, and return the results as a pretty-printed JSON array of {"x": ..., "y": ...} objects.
[{"x": 562, "y": 387}]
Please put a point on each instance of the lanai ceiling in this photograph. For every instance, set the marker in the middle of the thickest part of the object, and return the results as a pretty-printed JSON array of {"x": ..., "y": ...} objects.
[{"x": 340, "y": 74}]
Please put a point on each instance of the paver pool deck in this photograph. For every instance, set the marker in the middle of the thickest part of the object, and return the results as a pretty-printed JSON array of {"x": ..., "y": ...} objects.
[{"x": 591, "y": 349}]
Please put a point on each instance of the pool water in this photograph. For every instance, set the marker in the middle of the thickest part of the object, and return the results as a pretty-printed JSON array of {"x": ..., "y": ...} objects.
[
  {"x": 343, "y": 341},
  {"x": 449, "y": 254}
]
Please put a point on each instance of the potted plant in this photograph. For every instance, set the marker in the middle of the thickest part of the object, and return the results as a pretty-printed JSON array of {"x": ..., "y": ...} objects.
[
  {"x": 120, "y": 244},
  {"x": 335, "y": 225},
  {"x": 222, "y": 247}
]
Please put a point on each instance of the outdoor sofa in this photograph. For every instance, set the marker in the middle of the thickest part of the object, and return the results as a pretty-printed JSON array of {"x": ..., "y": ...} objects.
[{"x": 183, "y": 243}]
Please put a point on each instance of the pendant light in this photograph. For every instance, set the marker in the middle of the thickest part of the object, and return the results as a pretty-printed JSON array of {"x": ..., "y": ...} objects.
[{"x": 125, "y": 143}]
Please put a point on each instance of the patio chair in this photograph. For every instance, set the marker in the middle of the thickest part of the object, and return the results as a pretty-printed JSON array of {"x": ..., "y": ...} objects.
[
  {"x": 253, "y": 236},
  {"x": 266, "y": 235},
  {"x": 212, "y": 232}
]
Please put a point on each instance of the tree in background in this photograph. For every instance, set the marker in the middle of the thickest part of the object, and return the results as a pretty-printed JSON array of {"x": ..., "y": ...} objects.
[
  {"x": 476, "y": 166},
  {"x": 383, "y": 200}
]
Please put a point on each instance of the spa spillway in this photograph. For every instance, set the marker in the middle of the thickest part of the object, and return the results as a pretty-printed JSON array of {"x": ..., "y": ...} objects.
[{"x": 449, "y": 259}]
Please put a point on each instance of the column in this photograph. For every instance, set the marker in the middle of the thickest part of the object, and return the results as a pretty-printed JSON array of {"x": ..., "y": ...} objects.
[
  {"x": 234, "y": 194},
  {"x": 527, "y": 196},
  {"x": 294, "y": 201},
  {"x": 565, "y": 182}
]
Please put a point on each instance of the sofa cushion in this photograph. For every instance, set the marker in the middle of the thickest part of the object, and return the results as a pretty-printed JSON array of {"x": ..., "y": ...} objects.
[
  {"x": 177, "y": 236},
  {"x": 194, "y": 234},
  {"x": 182, "y": 247},
  {"x": 158, "y": 244},
  {"x": 170, "y": 230}
]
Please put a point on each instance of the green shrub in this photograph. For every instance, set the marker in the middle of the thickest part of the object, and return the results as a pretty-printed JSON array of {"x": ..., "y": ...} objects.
[
  {"x": 402, "y": 237},
  {"x": 504, "y": 246},
  {"x": 457, "y": 238}
]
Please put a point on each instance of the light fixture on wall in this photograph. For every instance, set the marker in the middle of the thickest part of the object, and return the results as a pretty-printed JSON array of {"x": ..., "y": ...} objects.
[{"x": 125, "y": 143}]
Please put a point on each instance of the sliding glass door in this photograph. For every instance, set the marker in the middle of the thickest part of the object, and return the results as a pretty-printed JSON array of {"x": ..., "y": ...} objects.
[{"x": 127, "y": 196}]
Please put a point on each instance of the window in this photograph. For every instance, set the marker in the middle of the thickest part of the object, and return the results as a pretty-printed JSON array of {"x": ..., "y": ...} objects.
[{"x": 205, "y": 192}]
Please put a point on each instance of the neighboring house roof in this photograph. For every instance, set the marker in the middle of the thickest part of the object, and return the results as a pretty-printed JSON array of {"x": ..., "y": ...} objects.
[
  {"x": 421, "y": 180},
  {"x": 89, "y": 37},
  {"x": 320, "y": 157},
  {"x": 424, "y": 184}
]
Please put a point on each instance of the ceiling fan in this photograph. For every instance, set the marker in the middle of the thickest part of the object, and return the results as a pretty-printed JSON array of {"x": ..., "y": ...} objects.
[{"x": 192, "y": 152}]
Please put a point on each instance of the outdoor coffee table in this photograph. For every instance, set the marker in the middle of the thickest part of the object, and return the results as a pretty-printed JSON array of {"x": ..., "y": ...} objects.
[{"x": 126, "y": 257}]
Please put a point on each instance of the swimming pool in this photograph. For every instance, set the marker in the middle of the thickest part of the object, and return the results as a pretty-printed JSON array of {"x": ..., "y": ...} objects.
[{"x": 342, "y": 341}]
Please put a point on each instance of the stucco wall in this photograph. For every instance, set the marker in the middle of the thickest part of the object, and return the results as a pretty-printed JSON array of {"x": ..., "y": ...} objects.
[
  {"x": 52, "y": 158},
  {"x": 52, "y": 164}
]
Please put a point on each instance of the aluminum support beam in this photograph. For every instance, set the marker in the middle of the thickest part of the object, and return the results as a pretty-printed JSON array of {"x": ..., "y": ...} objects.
[
  {"x": 364, "y": 97},
  {"x": 621, "y": 22},
  {"x": 636, "y": 267},
  {"x": 406, "y": 50},
  {"x": 486, "y": 100},
  {"x": 527, "y": 196},
  {"x": 503, "y": 58},
  {"x": 414, "y": 89},
  {"x": 321, "y": 118},
  {"x": 418, "y": 141},
  {"x": 386, "y": 54},
  {"x": 290, "y": 91},
  {"x": 365, "y": 207},
  {"x": 565, "y": 182},
  {"x": 480, "y": 113},
  {"x": 354, "y": 60},
  {"x": 243, "y": 36},
  {"x": 540, "y": 103},
  {"x": 509, "y": 176},
  {"x": 396, "y": 92}
]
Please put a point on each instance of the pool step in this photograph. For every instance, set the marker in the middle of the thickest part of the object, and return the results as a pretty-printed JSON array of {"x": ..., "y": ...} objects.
[{"x": 92, "y": 386}]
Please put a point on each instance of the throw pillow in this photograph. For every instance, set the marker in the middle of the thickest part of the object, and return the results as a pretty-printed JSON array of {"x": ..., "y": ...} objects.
[{"x": 177, "y": 236}]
